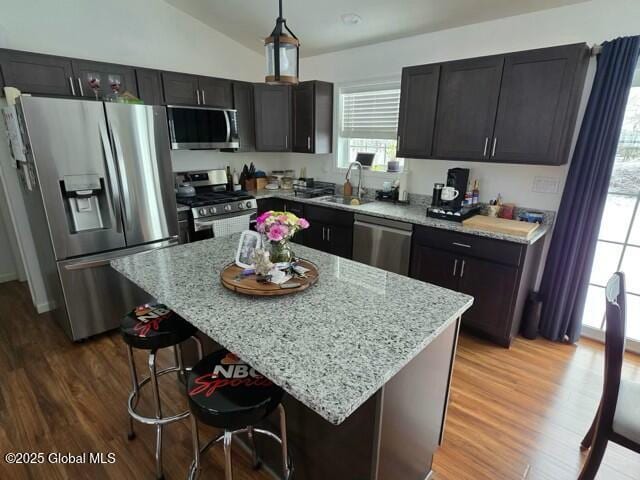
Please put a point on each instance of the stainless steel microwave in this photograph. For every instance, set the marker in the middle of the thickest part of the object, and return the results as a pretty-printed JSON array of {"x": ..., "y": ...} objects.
[{"x": 202, "y": 128}]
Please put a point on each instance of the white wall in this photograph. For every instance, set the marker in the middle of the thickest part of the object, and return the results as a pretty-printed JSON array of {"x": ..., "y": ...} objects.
[
  {"x": 591, "y": 22},
  {"x": 147, "y": 33}
]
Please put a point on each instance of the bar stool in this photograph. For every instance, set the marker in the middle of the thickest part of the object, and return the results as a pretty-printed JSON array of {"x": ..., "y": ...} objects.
[
  {"x": 152, "y": 327},
  {"x": 226, "y": 393}
]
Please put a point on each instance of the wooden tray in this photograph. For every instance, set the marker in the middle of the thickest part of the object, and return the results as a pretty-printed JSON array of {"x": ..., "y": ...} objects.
[
  {"x": 250, "y": 286},
  {"x": 501, "y": 225}
]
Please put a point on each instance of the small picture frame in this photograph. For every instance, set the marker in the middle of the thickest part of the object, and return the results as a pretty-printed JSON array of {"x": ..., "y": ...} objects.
[{"x": 249, "y": 241}]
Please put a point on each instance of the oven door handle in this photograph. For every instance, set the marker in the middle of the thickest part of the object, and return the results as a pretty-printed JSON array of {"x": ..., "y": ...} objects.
[{"x": 199, "y": 225}]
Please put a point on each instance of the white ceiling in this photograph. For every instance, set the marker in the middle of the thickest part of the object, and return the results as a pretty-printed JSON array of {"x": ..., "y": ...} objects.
[{"x": 320, "y": 29}]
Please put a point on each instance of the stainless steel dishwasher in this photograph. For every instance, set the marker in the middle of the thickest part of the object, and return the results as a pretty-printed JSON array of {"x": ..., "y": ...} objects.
[{"x": 382, "y": 243}]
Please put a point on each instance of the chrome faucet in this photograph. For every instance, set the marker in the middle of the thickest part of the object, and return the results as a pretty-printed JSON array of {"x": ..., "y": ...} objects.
[{"x": 359, "y": 189}]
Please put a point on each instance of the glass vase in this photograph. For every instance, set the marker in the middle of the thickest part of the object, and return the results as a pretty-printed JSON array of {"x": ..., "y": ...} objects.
[{"x": 281, "y": 253}]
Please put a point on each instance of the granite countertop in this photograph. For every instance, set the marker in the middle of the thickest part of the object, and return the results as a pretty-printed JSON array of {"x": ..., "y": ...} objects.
[
  {"x": 415, "y": 214},
  {"x": 182, "y": 208},
  {"x": 331, "y": 347}
]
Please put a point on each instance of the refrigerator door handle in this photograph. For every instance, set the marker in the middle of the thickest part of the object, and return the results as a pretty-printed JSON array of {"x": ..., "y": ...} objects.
[
  {"x": 113, "y": 177},
  {"x": 123, "y": 180}
]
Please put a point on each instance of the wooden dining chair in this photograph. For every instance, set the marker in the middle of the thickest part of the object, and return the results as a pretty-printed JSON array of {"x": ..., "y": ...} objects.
[{"x": 618, "y": 415}]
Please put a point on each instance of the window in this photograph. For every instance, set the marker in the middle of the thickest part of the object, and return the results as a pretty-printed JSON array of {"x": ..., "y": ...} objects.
[
  {"x": 618, "y": 245},
  {"x": 369, "y": 123}
]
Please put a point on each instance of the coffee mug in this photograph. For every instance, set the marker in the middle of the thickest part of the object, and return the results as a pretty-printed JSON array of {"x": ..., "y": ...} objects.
[{"x": 449, "y": 193}]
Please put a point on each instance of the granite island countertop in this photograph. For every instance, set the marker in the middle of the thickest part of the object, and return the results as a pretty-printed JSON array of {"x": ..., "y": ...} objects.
[
  {"x": 415, "y": 214},
  {"x": 331, "y": 347}
]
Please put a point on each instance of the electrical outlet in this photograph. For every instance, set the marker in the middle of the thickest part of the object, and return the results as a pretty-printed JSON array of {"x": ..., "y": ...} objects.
[{"x": 546, "y": 185}]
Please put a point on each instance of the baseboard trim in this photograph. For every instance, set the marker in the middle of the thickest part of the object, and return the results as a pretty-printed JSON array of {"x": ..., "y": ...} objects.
[
  {"x": 46, "y": 307},
  {"x": 8, "y": 277}
]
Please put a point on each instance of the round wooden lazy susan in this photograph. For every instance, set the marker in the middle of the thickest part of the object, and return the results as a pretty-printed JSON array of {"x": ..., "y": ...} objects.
[{"x": 231, "y": 279}]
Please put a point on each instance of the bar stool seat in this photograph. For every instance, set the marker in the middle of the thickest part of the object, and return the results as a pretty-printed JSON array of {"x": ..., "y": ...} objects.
[
  {"x": 226, "y": 393},
  {"x": 151, "y": 327}
]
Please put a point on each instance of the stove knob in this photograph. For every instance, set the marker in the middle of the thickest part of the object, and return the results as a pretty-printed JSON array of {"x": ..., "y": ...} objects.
[
  {"x": 202, "y": 211},
  {"x": 249, "y": 205},
  {"x": 241, "y": 206},
  {"x": 212, "y": 210},
  {"x": 227, "y": 208}
]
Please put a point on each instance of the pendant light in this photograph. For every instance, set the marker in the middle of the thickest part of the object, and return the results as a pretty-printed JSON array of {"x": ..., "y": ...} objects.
[{"x": 283, "y": 52}]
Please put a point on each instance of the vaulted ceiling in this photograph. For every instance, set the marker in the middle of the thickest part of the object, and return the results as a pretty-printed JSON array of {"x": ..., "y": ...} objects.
[{"x": 321, "y": 29}]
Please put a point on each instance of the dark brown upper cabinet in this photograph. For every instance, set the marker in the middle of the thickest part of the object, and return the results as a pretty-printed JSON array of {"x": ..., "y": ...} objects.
[
  {"x": 149, "y": 86},
  {"x": 185, "y": 89},
  {"x": 37, "y": 74},
  {"x": 467, "y": 104},
  {"x": 539, "y": 100},
  {"x": 312, "y": 104},
  {"x": 215, "y": 92},
  {"x": 516, "y": 108},
  {"x": 273, "y": 117},
  {"x": 418, "y": 101},
  {"x": 243, "y": 103},
  {"x": 180, "y": 88},
  {"x": 95, "y": 79}
]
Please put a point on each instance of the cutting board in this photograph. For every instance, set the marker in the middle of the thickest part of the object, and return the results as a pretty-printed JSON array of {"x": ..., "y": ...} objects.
[{"x": 501, "y": 225}]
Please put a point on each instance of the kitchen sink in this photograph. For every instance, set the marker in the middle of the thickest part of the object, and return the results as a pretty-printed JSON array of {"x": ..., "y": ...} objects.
[{"x": 344, "y": 200}]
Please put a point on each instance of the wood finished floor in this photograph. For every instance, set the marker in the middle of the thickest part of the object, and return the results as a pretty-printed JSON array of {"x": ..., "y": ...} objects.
[{"x": 514, "y": 414}]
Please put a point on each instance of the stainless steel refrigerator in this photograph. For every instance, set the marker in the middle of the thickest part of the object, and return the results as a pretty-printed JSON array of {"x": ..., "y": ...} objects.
[{"x": 97, "y": 185}]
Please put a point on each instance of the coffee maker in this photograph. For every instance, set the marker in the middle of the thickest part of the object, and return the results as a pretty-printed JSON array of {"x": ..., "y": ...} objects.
[{"x": 453, "y": 208}]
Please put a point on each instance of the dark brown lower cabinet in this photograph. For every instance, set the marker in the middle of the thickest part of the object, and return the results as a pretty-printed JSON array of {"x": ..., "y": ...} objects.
[
  {"x": 331, "y": 230},
  {"x": 498, "y": 274}
]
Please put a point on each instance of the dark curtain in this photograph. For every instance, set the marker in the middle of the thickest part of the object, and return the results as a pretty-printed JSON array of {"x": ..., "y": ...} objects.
[{"x": 566, "y": 274}]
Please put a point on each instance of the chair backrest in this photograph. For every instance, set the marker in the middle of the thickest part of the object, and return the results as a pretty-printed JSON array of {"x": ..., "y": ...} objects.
[{"x": 614, "y": 344}]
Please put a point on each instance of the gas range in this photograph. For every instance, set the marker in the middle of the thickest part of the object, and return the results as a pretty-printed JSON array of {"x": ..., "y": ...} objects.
[{"x": 209, "y": 203}]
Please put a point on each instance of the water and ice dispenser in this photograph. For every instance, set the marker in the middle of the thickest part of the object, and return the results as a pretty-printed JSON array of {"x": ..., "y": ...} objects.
[{"x": 86, "y": 202}]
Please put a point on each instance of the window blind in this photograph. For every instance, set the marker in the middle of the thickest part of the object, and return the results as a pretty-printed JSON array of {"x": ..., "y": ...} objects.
[{"x": 370, "y": 114}]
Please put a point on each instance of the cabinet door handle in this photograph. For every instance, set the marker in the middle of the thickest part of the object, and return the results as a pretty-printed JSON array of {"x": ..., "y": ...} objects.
[
  {"x": 455, "y": 266},
  {"x": 493, "y": 149},
  {"x": 398, "y": 144},
  {"x": 73, "y": 88},
  {"x": 286, "y": 141},
  {"x": 80, "y": 86},
  {"x": 486, "y": 145},
  {"x": 204, "y": 102},
  {"x": 309, "y": 143},
  {"x": 461, "y": 245},
  {"x": 462, "y": 269},
  {"x": 328, "y": 234},
  {"x": 198, "y": 96},
  {"x": 323, "y": 234}
]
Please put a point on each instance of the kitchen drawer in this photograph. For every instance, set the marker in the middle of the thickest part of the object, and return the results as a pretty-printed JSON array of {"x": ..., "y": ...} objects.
[
  {"x": 328, "y": 215},
  {"x": 500, "y": 251}
]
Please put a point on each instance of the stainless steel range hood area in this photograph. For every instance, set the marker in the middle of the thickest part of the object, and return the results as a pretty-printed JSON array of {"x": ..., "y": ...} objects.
[{"x": 202, "y": 128}]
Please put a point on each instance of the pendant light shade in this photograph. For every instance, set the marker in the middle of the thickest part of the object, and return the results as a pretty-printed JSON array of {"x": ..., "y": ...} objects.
[{"x": 282, "y": 50}]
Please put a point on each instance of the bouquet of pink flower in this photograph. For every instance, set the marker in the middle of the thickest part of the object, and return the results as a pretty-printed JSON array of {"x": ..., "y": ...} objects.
[{"x": 280, "y": 226}]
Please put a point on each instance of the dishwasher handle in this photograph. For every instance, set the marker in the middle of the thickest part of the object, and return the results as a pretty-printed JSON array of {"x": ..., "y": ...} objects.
[{"x": 407, "y": 233}]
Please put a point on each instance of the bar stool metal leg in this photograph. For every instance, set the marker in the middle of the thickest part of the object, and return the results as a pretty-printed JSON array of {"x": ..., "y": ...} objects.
[
  {"x": 286, "y": 466},
  {"x": 156, "y": 395},
  {"x": 195, "y": 466},
  {"x": 228, "y": 472},
  {"x": 136, "y": 392},
  {"x": 254, "y": 452}
]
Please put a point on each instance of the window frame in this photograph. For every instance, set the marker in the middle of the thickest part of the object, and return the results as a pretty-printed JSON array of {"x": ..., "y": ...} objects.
[{"x": 341, "y": 143}]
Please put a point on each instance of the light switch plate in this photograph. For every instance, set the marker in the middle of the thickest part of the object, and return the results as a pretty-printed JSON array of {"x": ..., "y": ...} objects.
[{"x": 546, "y": 184}]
